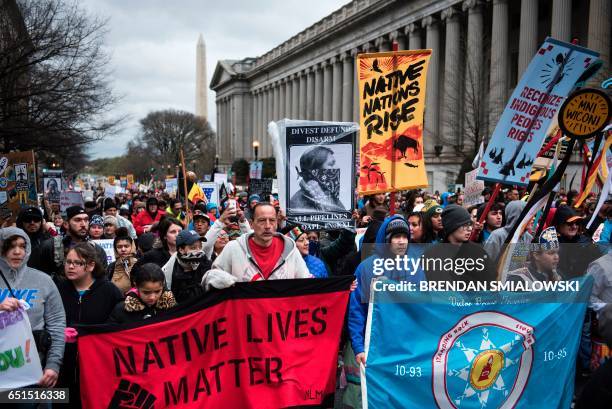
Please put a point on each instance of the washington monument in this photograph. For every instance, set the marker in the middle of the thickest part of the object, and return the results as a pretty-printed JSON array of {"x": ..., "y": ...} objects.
[{"x": 201, "y": 85}]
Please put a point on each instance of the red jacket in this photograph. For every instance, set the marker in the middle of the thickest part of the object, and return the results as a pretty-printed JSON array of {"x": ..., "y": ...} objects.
[{"x": 144, "y": 218}]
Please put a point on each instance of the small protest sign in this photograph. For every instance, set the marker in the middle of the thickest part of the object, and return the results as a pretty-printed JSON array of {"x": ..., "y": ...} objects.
[
  {"x": 472, "y": 194},
  {"x": 260, "y": 187},
  {"x": 17, "y": 183},
  {"x": 70, "y": 198}
]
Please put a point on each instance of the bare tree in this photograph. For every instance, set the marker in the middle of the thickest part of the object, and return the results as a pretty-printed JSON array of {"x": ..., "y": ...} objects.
[
  {"x": 165, "y": 132},
  {"x": 55, "y": 93}
]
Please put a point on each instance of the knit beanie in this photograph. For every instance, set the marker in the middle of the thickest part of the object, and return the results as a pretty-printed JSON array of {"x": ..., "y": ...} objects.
[
  {"x": 96, "y": 220},
  {"x": 110, "y": 220},
  {"x": 295, "y": 233},
  {"x": 254, "y": 197},
  {"x": 453, "y": 217},
  {"x": 396, "y": 226}
]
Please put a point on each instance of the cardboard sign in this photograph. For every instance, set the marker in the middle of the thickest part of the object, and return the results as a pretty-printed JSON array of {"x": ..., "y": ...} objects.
[
  {"x": 260, "y": 187},
  {"x": 70, "y": 198},
  {"x": 17, "y": 183},
  {"x": 472, "y": 195},
  {"x": 107, "y": 245},
  {"x": 220, "y": 178}
]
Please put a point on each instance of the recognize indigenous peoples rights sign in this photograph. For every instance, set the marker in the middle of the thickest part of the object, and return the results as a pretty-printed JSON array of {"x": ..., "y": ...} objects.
[
  {"x": 518, "y": 136},
  {"x": 268, "y": 344}
]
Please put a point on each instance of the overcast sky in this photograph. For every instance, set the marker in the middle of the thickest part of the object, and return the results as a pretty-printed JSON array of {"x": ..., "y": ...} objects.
[{"x": 153, "y": 46}]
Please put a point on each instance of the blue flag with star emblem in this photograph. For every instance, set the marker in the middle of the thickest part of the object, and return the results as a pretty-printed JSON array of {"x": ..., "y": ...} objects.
[{"x": 473, "y": 350}]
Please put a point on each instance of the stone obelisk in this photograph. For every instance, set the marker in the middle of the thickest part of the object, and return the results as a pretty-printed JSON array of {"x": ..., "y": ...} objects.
[{"x": 201, "y": 82}]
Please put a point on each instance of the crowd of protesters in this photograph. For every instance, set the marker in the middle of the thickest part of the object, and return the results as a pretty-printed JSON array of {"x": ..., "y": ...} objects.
[{"x": 167, "y": 254}]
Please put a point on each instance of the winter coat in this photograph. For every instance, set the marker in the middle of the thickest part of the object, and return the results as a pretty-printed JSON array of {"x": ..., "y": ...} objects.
[
  {"x": 316, "y": 266},
  {"x": 575, "y": 255},
  {"x": 601, "y": 271},
  {"x": 133, "y": 309},
  {"x": 119, "y": 272},
  {"x": 159, "y": 256},
  {"x": 470, "y": 250},
  {"x": 338, "y": 249},
  {"x": 495, "y": 243},
  {"x": 123, "y": 222},
  {"x": 94, "y": 307},
  {"x": 237, "y": 262},
  {"x": 358, "y": 304},
  {"x": 46, "y": 312},
  {"x": 144, "y": 218},
  {"x": 184, "y": 284},
  {"x": 54, "y": 250}
]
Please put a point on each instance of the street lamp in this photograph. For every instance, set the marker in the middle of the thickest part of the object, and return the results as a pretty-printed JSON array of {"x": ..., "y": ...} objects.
[
  {"x": 256, "y": 149},
  {"x": 216, "y": 164}
]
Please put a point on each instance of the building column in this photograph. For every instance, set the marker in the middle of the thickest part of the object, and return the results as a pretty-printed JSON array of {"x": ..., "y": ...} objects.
[
  {"x": 318, "y": 94},
  {"x": 281, "y": 100},
  {"x": 337, "y": 88},
  {"x": 413, "y": 32},
  {"x": 310, "y": 93},
  {"x": 399, "y": 38},
  {"x": 288, "y": 96},
  {"x": 599, "y": 36},
  {"x": 452, "y": 79},
  {"x": 528, "y": 36},
  {"x": 561, "y": 21},
  {"x": 302, "y": 104},
  {"x": 498, "y": 85},
  {"x": 327, "y": 91},
  {"x": 382, "y": 44},
  {"x": 254, "y": 115},
  {"x": 432, "y": 41},
  {"x": 266, "y": 145},
  {"x": 347, "y": 87},
  {"x": 353, "y": 56},
  {"x": 238, "y": 136},
  {"x": 295, "y": 96},
  {"x": 264, "y": 118},
  {"x": 258, "y": 130},
  {"x": 276, "y": 111},
  {"x": 473, "y": 96}
]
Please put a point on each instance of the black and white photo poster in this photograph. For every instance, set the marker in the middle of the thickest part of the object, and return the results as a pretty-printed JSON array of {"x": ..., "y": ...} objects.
[{"x": 320, "y": 178}]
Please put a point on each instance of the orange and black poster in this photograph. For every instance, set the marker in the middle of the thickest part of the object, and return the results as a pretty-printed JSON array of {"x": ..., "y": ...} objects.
[{"x": 391, "y": 105}]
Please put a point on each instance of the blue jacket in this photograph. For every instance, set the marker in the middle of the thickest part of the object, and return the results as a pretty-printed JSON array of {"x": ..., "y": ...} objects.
[
  {"x": 604, "y": 237},
  {"x": 358, "y": 304},
  {"x": 316, "y": 266}
]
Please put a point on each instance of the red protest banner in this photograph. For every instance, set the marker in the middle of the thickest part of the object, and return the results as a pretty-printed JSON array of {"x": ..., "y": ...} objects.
[{"x": 269, "y": 344}]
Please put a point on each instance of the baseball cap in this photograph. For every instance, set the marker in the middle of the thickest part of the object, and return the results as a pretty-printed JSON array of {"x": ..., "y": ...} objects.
[
  {"x": 187, "y": 238},
  {"x": 565, "y": 214},
  {"x": 197, "y": 213}
]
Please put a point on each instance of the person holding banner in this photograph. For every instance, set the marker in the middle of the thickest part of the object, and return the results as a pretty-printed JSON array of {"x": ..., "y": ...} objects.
[
  {"x": 46, "y": 312},
  {"x": 88, "y": 298},
  {"x": 262, "y": 254},
  {"x": 391, "y": 243},
  {"x": 315, "y": 265}
]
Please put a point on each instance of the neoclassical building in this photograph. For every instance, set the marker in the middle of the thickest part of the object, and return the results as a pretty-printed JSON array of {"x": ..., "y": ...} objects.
[{"x": 480, "y": 48}]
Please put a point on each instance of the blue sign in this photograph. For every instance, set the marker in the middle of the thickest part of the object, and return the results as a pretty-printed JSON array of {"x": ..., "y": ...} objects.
[
  {"x": 518, "y": 136},
  {"x": 472, "y": 352}
]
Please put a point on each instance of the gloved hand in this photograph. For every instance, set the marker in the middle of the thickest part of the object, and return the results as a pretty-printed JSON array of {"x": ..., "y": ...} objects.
[
  {"x": 218, "y": 279},
  {"x": 70, "y": 335}
]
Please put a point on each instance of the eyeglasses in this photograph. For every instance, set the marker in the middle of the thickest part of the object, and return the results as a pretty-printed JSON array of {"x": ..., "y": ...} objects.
[
  {"x": 75, "y": 263},
  {"x": 468, "y": 226}
]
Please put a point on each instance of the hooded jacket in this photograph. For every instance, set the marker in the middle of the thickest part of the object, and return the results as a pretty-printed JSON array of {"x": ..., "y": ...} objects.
[
  {"x": 37, "y": 289},
  {"x": 496, "y": 240},
  {"x": 237, "y": 263},
  {"x": 144, "y": 218},
  {"x": 36, "y": 241},
  {"x": 358, "y": 304}
]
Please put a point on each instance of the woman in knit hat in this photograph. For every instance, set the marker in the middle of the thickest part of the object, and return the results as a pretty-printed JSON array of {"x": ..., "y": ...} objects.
[
  {"x": 315, "y": 265},
  {"x": 432, "y": 222},
  {"x": 96, "y": 227}
]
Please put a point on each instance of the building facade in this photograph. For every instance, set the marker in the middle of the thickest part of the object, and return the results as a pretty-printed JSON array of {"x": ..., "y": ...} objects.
[{"x": 480, "y": 48}]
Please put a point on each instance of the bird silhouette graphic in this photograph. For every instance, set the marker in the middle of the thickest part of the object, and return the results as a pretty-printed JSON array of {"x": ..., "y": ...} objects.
[{"x": 375, "y": 67}]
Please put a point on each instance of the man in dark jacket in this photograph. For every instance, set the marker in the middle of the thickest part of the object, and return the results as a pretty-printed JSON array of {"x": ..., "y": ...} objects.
[
  {"x": 54, "y": 249},
  {"x": 31, "y": 221},
  {"x": 577, "y": 251},
  {"x": 457, "y": 258}
]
